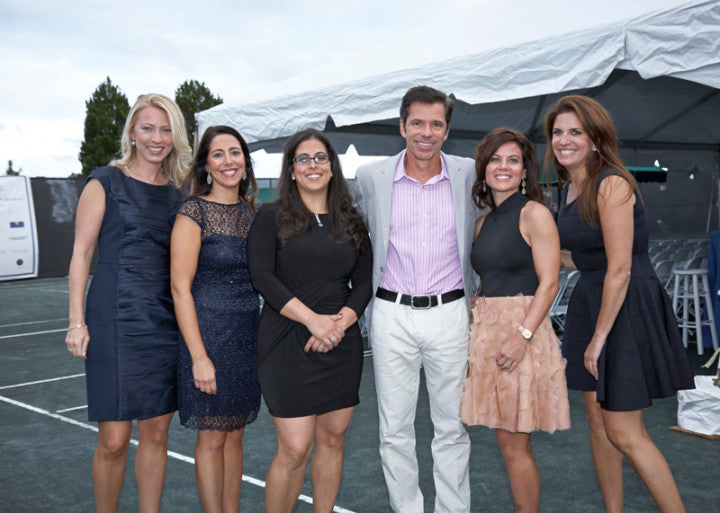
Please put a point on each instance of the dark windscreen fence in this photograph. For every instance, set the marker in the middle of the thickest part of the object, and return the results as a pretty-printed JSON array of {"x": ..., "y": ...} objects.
[{"x": 685, "y": 206}]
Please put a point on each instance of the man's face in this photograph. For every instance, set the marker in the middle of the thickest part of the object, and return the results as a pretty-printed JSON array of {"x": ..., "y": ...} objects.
[{"x": 425, "y": 130}]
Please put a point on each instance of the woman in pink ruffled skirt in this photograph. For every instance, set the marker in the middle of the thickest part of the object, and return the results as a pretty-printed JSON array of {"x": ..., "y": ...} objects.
[{"x": 516, "y": 373}]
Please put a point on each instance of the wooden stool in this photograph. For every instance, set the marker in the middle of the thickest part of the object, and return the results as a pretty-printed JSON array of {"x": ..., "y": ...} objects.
[{"x": 696, "y": 289}]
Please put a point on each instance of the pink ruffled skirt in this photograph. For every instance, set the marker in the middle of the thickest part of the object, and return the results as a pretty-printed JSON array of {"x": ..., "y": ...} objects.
[{"x": 534, "y": 396}]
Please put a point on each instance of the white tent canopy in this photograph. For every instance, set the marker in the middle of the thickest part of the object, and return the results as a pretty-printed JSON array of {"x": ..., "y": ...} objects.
[{"x": 505, "y": 61}]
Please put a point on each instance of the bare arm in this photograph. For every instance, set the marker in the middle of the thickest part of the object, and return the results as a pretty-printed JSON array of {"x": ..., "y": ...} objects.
[
  {"x": 184, "y": 251},
  {"x": 88, "y": 221},
  {"x": 615, "y": 208},
  {"x": 538, "y": 228}
]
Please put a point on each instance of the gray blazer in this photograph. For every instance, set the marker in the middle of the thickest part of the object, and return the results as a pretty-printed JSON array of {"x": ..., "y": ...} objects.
[{"x": 374, "y": 194}]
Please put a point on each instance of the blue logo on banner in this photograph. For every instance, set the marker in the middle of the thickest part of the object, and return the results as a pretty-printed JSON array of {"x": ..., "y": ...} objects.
[{"x": 17, "y": 224}]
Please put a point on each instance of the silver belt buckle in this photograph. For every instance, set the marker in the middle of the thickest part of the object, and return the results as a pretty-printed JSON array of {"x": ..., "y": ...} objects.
[{"x": 425, "y": 297}]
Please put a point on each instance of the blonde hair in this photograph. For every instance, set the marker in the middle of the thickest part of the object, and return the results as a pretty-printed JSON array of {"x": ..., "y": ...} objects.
[{"x": 177, "y": 164}]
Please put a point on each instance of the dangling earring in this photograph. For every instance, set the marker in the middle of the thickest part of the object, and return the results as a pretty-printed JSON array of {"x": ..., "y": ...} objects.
[
  {"x": 594, "y": 148},
  {"x": 244, "y": 176},
  {"x": 523, "y": 190},
  {"x": 293, "y": 177},
  {"x": 484, "y": 187},
  {"x": 209, "y": 179},
  {"x": 132, "y": 142}
]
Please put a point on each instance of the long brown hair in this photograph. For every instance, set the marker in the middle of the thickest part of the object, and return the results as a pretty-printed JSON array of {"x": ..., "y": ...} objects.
[
  {"x": 598, "y": 126},
  {"x": 196, "y": 182},
  {"x": 295, "y": 218},
  {"x": 484, "y": 152}
]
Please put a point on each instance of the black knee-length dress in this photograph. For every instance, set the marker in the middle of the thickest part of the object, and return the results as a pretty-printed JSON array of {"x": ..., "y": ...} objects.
[
  {"x": 317, "y": 268},
  {"x": 643, "y": 358}
]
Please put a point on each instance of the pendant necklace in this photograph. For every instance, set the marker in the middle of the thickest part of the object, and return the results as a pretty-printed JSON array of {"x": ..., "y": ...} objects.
[{"x": 317, "y": 218}]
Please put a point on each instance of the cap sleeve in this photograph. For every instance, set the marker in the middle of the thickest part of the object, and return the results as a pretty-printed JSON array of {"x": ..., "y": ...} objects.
[
  {"x": 104, "y": 175},
  {"x": 192, "y": 209}
]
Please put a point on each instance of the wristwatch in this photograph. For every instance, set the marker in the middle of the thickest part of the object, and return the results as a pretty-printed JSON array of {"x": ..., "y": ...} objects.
[{"x": 526, "y": 333}]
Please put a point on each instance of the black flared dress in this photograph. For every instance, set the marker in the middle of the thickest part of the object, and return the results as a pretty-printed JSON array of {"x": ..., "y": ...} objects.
[
  {"x": 132, "y": 356},
  {"x": 643, "y": 358},
  {"x": 228, "y": 311},
  {"x": 317, "y": 268}
]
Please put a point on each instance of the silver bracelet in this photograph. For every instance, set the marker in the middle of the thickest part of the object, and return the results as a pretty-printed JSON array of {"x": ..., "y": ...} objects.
[{"x": 73, "y": 326}]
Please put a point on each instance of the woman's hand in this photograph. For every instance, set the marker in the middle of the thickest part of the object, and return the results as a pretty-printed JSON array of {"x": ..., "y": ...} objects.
[
  {"x": 327, "y": 333},
  {"x": 204, "y": 375},
  {"x": 592, "y": 355},
  {"x": 77, "y": 340},
  {"x": 511, "y": 352}
]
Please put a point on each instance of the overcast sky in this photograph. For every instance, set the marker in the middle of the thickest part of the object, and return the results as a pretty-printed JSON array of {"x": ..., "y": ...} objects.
[{"x": 54, "y": 53}]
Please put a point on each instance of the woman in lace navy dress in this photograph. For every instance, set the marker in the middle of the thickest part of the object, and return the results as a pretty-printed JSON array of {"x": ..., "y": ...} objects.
[
  {"x": 621, "y": 338},
  {"x": 130, "y": 340},
  {"x": 303, "y": 251},
  {"x": 218, "y": 313}
]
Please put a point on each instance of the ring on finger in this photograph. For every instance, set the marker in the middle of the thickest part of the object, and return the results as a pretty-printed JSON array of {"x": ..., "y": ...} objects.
[
  {"x": 321, "y": 347},
  {"x": 332, "y": 339},
  {"x": 507, "y": 365}
]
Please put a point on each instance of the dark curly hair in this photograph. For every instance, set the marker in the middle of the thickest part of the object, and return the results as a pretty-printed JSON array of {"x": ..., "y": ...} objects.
[
  {"x": 484, "y": 152},
  {"x": 195, "y": 183},
  {"x": 294, "y": 218}
]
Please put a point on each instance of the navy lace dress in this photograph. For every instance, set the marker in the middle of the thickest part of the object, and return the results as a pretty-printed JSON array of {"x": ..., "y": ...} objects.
[
  {"x": 131, "y": 359},
  {"x": 228, "y": 312}
]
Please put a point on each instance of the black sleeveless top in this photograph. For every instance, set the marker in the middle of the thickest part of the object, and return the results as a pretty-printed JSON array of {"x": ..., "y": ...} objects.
[{"x": 501, "y": 256}]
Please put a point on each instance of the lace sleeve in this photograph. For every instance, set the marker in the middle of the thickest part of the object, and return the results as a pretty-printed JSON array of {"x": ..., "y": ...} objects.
[{"x": 192, "y": 209}]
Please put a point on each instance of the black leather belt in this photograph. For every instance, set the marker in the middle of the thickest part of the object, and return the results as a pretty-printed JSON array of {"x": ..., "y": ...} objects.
[{"x": 420, "y": 301}]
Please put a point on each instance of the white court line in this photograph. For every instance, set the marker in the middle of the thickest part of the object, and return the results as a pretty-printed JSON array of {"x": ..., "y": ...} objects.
[
  {"x": 72, "y": 409},
  {"x": 171, "y": 454},
  {"x": 31, "y": 322},
  {"x": 54, "y": 290},
  {"x": 33, "y": 333},
  {"x": 42, "y": 381}
]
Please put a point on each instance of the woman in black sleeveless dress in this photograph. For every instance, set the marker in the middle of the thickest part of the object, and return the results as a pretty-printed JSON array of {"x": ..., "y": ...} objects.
[
  {"x": 130, "y": 341},
  {"x": 516, "y": 374},
  {"x": 218, "y": 312},
  {"x": 304, "y": 251},
  {"x": 621, "y": 339}
]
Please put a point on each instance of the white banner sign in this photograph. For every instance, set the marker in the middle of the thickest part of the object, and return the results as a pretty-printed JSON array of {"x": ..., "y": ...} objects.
[{"x": 18, "y": 232}]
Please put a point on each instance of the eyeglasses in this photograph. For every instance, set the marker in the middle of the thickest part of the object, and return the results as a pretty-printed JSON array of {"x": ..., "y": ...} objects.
[{"x": 304, "y": 159}]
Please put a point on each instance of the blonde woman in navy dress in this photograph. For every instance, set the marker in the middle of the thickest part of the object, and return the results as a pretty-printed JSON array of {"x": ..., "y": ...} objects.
[
  {"x": 129, "y": 335},
  {"x": 218, "y": 313},
  {"x": 621, "y": 339}
]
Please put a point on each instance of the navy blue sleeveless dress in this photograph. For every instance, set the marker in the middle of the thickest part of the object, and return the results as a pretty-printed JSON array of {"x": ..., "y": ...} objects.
[
  {"x": 228, "y": 312},
  {"x": 643, "y": 357},
  {"x": 131, "y": 359}
]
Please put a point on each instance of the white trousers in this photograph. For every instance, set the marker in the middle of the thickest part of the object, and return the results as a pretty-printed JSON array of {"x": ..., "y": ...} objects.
[{"x": 404, "y": 339}]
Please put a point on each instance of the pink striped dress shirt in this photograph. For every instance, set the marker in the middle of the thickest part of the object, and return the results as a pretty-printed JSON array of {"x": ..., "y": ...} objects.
[{"x": 423, "y": 255}]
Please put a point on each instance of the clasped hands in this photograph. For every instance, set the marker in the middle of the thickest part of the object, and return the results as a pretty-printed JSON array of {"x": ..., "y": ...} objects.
[{"x": 327, "y": 332}]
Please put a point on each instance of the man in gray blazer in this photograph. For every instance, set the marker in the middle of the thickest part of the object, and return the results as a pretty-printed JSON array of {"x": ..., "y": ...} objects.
[{"x": 421, "y": 219}]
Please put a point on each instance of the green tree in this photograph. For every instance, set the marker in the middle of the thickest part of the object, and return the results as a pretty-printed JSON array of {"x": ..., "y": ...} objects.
[
  {"x": 105, "y": 115},
  {"x": 193, "y": 96},
  {"x": 10, "y": 171}
]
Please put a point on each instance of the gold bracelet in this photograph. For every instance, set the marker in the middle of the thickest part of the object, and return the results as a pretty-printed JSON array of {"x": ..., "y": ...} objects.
[{"x": 73, "y": 326}]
